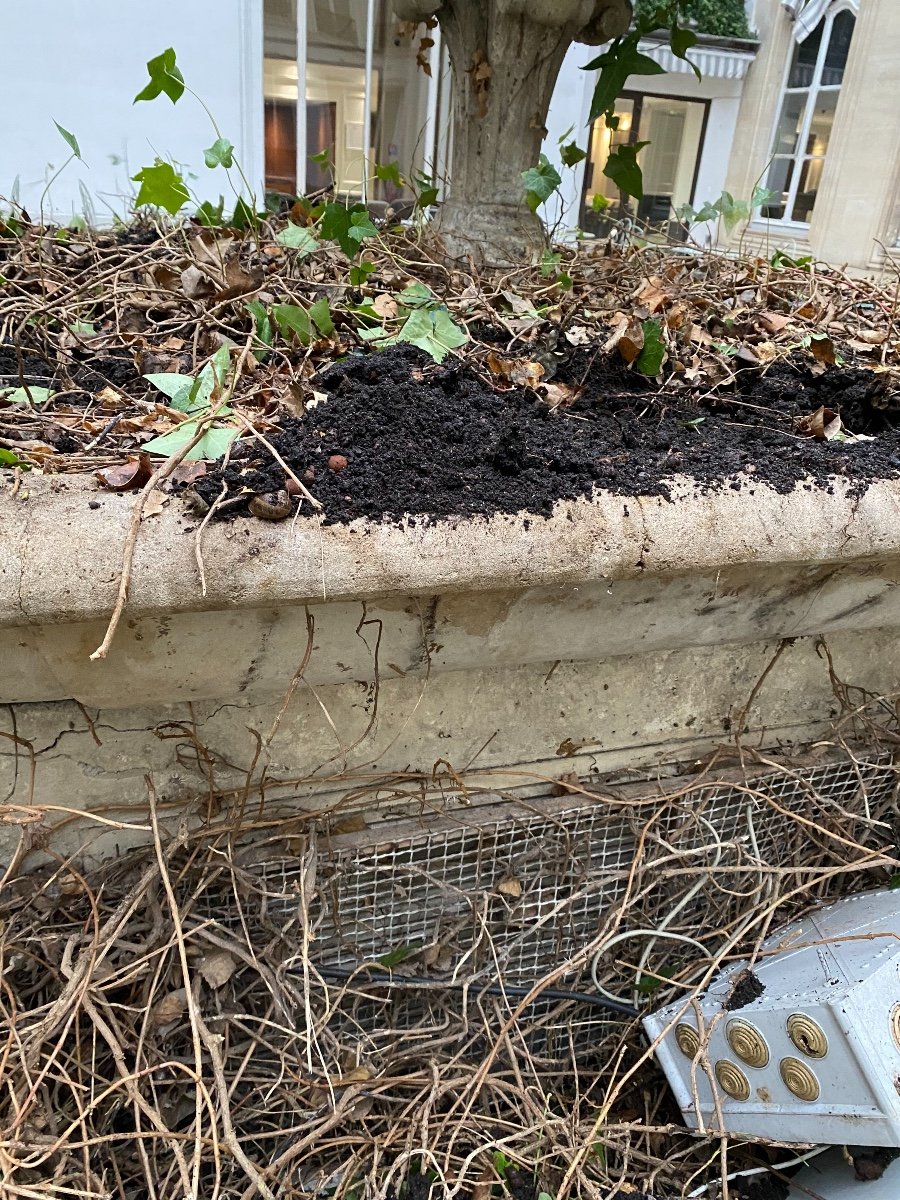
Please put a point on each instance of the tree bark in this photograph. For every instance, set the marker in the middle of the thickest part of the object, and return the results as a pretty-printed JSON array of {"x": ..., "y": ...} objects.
[{"x": 505, "y": 57}]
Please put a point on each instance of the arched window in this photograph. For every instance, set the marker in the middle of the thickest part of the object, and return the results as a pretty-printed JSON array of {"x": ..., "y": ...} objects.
[{"x": 807, "y": 113}]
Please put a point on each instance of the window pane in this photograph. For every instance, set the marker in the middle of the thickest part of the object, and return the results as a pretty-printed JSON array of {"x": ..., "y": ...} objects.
[
  {"x": 790, "y": 123},
  {"x": 804, "y": 62},
  {"x": 280, "y": 95},
  {"x": 603, "y": 141},
  {"x": 778, "y": 182},
  {"x": 838, "y": 49},
  {"x": 335, "y": 95},
  {"x": 807, "y": 188},
  {"x": 673, "y": 127},
  {"x": 821, "y": 123},
  {"x": 400, "y": 101}
]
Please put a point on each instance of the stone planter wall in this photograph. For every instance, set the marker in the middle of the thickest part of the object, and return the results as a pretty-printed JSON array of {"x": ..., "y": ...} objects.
[{"x": 620, "y": 635}]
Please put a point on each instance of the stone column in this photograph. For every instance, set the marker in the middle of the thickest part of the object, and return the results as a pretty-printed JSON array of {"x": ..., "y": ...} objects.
[{"x": 856, "y": 198}]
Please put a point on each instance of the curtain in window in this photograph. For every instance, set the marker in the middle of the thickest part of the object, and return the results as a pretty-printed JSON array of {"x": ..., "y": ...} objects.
[{"x": 808, "y": 13}]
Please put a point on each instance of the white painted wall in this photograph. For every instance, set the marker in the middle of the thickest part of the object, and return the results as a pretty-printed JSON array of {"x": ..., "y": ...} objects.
[{"x": 83, "y": 64}]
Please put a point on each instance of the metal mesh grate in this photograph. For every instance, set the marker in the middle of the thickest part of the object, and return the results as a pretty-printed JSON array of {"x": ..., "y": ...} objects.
[{"x": 522, "y": 893}]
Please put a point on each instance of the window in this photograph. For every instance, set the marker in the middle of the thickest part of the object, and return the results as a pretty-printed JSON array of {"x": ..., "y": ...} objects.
[
  {"x": 365, "y": 99},
  {"x": 674, "y": 129},
  {"x": 807, "y": 113}
]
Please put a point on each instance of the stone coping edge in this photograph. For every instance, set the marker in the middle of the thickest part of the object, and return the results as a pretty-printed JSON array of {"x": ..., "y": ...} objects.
[{"x": 61, "y": 544}]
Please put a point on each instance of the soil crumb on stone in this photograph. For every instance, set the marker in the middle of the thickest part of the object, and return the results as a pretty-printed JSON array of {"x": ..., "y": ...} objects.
[
  {"x": 423, "y": 439},
  {"x": 747, "y": 988}
]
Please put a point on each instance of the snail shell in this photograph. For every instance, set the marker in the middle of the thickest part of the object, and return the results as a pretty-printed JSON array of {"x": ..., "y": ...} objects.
[{"x": 272, "y": 506}]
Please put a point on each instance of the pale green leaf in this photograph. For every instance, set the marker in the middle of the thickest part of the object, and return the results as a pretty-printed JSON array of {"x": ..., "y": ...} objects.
[
  {"x": 161, "y": 186},
  {"x": 165, "y": 78},
  {"x": 321, "y": 315},
  {"x": 291, "y": 319},
  {"x": 212, "y": 445},
  {"x": 20, "y": 395},
  {"x": 219, "y": 154},
  {"x": 432, "y": 331},
  {"x": 70, "y": 139},
  {"x": 297, "y": 237}
]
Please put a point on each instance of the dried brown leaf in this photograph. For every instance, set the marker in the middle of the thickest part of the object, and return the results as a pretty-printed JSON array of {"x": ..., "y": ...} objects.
[
  {"x": 824, "y": 424},
  {"x": 126, "y": 477},
  {"x": 510, "y": 886},
  {"x": 385, "y": 305},
  {"x": 217, "y": 967},
  {"x": 774, "y": 322},
  {"x": 170, "y": 1008},
  {"x": 823, "y": 350},
  {"x": 195, "y": 284},
  {"x": 519, "y": 371},
  {"x": 631, "y": 343}
]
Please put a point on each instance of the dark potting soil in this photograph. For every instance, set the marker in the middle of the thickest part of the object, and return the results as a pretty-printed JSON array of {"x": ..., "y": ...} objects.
[{"x": 440, "y": 441}]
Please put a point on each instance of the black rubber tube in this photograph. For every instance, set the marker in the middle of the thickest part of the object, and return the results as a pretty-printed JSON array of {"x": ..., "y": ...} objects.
[{"x": 386, "y": 978}]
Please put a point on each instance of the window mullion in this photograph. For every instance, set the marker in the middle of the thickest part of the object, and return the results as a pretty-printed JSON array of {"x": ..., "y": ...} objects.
[
  {"x": 300, "y": 134},
  {"x": 809, "y": 108},
  {"x": 367, "y": 96}
]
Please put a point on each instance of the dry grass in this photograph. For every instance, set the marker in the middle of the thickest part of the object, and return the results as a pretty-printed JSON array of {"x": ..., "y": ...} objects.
[{"x": 174, "y": 1024}]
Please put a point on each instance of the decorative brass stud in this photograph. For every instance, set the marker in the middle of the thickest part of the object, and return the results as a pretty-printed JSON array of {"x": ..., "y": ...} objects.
[
  {"x": 799, "y": 1079},
  {"x": 895, "y": 1024},
  {"x": 687, "y": 1039},
  {"x": 747, "y": 1043},
  {"x": 807, "y": 1036},
  {"x": 732, "y": 1080}
]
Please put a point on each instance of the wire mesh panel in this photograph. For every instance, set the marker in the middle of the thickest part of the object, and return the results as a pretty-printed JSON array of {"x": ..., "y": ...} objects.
[{"x": 528, "y": 891}]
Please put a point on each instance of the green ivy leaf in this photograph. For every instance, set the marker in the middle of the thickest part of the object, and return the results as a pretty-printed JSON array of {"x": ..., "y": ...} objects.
[
  {"x": 161, "y": 186},
  {"x": 761, "y": 196},
  {"x": 70, "y": 140},
  {"x": 549, "y": 262},
  {"x": 681, "y": 41},
  {"x": 426, "y": 192},
  {"x": 219, "y": 154},
  {"x": 433, "y": 331},
  {"x": 360, "y": 273},
  {"x": 540, "y": 183},
  {"x": 297, "y": 237},
  {"x": 293, "y": 320},
  {"x": 346, "y": 226},
  {"x": 321, "y": 316},
  {"x": 262, "y": 325},
  {"x": 621, "y": 60},
  {"x": 599, "y": 202},
  {"x": 164, "y": 78},
  {"x": 650, "y": 359},
  {"x": 572, "y": 154},
  {"x": 244, "y": 217},
  {"x": 9, "y": 459},
  {"x": 211, "y": 215},
  {"x": 733, "y": 211},
  {"x": 212, "y": 445},
  {"x": 622, "y": 168},
  {"x": 361, "y": 226},
  {"x": 389, "y": 173}
]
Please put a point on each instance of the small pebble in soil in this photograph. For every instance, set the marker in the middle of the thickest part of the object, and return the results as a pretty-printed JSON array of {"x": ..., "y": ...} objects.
[{"x": 337, "y": 463}]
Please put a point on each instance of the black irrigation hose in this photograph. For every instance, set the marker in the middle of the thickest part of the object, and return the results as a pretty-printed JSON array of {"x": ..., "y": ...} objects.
[{"x": 370, "y": 975}]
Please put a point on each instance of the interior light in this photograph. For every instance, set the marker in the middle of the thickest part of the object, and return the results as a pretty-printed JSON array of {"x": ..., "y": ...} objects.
[{"x": 624, "y": 122}]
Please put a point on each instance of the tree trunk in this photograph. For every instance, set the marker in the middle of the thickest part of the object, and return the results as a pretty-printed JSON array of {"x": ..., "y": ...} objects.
[{"x": 504, "y": 70}]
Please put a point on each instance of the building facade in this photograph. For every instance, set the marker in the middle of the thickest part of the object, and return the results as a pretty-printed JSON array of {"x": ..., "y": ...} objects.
[{"x": 317, "y": 93}]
